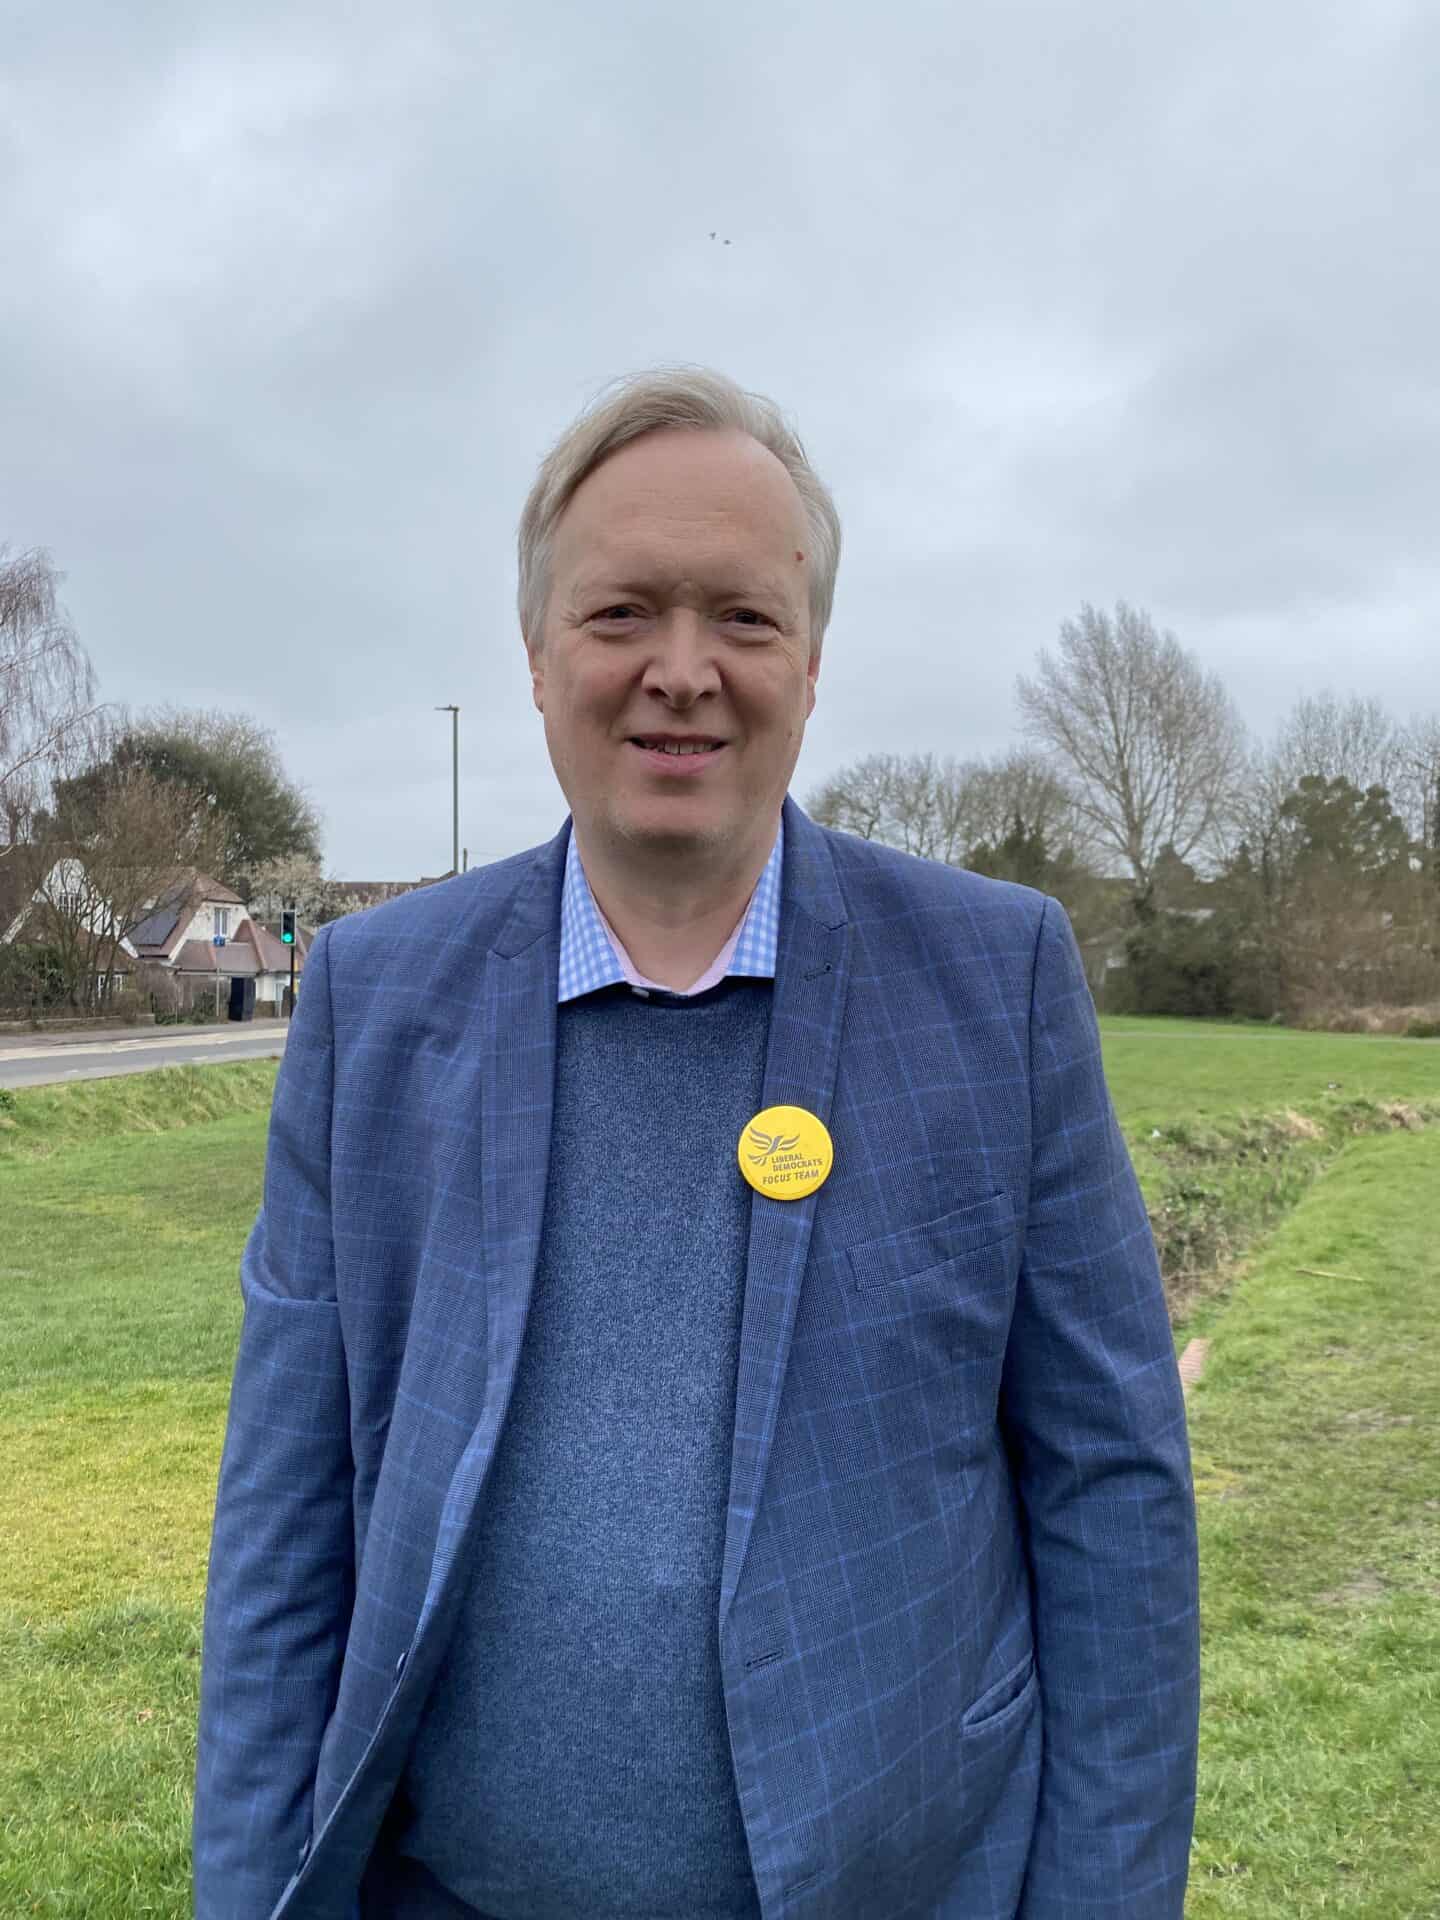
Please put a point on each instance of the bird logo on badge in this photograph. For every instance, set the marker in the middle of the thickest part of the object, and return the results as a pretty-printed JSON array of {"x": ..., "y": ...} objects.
[
  {"x": 785, "y": 1153},
  {"x": 769, "y": 1143}
]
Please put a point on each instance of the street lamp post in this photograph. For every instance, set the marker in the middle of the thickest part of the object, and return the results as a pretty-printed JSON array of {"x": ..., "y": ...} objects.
[{"x": 454, "y": 713}]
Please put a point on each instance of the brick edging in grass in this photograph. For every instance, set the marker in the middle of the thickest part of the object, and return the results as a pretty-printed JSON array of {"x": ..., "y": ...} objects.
[{"x": 1192, "y": 1363}]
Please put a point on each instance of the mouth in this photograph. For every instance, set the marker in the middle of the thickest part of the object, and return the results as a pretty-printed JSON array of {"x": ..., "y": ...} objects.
[{"x": 678, "y": 753}]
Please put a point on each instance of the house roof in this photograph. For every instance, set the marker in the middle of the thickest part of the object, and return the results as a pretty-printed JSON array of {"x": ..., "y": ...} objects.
[
  {"x": 373, "y": 892},
  {"x": 204, "y": 888},
  {"x": 273, "y": 952},
  {"x": 252, "y": 948},
  {"x": 157, "y": 928},
  {"x": 199, "y": 956},
  {"x": 152, "y": 938}
]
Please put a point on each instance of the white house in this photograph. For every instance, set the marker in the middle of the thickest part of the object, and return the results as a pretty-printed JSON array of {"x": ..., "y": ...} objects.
[
  {"x": 199, "y": 933},
  {"x": 203, "y": 934}
]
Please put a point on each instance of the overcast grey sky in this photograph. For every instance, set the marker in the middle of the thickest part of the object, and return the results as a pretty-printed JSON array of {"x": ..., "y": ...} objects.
[{"x": 1068, "y": 302}]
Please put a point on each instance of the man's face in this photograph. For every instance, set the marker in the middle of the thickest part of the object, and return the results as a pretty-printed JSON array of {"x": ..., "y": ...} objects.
[{"x": 678, "y": 615}]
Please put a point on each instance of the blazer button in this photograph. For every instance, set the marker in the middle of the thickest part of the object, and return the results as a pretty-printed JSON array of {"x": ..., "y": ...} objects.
[
  {"x": 400, "y": 1664},
  {"x": 304, "y": 1852}
]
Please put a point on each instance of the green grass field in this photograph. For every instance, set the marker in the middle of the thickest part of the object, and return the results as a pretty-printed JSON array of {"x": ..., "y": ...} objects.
[{"x": 123, "y": 1209}]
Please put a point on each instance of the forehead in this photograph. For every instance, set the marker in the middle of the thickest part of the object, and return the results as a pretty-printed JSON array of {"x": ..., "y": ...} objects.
[{"x": 681, "y": 498}]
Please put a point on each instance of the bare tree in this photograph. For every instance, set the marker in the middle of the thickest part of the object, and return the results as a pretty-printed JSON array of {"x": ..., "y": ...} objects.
[
  {"x": 943, "y": 809},
  {"x": 1022, "y": 787},
  {"x": 1326, "y": 738},
  {"x": 1150, "y": 743},
  {"x": 857, "y": 799},
  {"x": 1334, "y": 739},
  {"x": 1417, "y": 786},
  {"x": 47, "y": 684},
  {"x": 98, "y": 875},
  {"x": 910, "y": 801}
]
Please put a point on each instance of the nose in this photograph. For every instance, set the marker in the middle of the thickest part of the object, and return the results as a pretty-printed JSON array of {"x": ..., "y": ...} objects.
[{"x": 682, "y": 666}]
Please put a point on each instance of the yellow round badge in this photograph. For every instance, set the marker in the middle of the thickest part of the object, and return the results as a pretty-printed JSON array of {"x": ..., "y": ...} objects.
[{"x": 785, "y": 1153}]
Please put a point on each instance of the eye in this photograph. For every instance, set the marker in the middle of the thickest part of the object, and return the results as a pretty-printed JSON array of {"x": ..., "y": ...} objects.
[
  {"x": 617, "y": 612},
  {"x": 763, "y": 619}
]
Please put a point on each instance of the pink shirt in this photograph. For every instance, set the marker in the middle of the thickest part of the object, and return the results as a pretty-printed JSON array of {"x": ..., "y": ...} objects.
[{"x": 715, "y": 971}]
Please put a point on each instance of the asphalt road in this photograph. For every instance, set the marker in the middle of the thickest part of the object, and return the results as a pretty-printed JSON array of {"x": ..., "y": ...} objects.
[{"x": 38, "y": 1062}]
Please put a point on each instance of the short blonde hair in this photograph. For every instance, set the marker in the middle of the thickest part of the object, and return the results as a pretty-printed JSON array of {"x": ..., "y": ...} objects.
[{"x": 692, "y": 397}]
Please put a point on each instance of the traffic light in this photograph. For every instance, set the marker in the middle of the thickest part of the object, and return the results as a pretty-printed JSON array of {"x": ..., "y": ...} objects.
[{"x": 287, "y": 926}]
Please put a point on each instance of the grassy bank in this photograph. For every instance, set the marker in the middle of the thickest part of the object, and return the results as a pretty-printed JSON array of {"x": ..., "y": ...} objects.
[
  {"x": 1214, "y": 1190},
  {"x": 1163, "y": 1071},
  {"x": 37, "y": 1122},
  {"x": 119, "y": 1269},
  {"x": 1228, "y": 1126},
  {"x": 1316, "y": 1440},
  {"x": 1314, "y": 1433}
]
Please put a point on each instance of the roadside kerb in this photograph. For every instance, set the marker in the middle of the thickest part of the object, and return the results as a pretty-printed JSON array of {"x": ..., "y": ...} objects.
[{"x": 32, "y": 1045}]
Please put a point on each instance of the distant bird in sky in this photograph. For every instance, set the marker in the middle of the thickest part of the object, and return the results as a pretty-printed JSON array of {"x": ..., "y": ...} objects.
[{"x": 726, "y": 243}]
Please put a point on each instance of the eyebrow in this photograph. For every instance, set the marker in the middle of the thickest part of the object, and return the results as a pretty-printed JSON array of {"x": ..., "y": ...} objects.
[{"x": 622, "y": 583}]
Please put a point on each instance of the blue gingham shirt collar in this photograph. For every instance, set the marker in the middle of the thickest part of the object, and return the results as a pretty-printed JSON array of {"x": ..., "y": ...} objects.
[{"x": 588, "y": 961}]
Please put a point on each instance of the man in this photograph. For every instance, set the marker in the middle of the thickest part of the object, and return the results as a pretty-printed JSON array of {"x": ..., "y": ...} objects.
[{"x": 706, "y": 1437}]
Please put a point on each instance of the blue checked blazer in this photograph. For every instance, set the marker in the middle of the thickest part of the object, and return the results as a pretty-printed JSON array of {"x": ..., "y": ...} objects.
[{"x": 957, "y": 1623}]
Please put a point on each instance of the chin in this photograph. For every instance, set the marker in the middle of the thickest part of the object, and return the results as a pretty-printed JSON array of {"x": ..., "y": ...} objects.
[{"x": 667, "y": 835}]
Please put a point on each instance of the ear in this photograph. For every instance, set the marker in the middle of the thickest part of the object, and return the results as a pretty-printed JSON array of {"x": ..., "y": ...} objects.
[
  {"x": 812, "y": 674},
  {"x": 537, "y": 676}
]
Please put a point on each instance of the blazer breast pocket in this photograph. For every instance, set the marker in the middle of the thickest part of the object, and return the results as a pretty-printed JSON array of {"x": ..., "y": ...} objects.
[{"x": 915, "y": 1252}]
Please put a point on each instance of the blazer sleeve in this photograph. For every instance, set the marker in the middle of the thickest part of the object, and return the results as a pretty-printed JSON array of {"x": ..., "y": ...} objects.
[
  {"x": 1094, "y": 1420},
  {"x": 281, "y": 1578}
]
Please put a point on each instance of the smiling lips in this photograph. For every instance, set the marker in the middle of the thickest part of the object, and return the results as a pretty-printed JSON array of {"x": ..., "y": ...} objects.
[{"x": 676, "y": 753}]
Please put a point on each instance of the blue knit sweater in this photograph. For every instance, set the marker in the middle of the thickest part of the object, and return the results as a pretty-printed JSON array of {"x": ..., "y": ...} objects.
[{"x": 574, "y": 1757}]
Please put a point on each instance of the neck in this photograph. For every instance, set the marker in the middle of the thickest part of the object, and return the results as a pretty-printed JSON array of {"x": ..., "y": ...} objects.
[{"x": 673, "y": 915}]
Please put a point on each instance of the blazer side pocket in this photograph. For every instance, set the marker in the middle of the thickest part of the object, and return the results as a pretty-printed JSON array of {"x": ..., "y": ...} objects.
[
  {"x": 913, "y": 1252},
  {"x": 999, "y": 1705}
]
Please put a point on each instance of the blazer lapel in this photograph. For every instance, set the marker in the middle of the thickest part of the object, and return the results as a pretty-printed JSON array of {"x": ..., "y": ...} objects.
[
  {"x": 517, "y": 1046},
  {"x": 811, "y": 976},
  {"x": 517, "y": 1084}
]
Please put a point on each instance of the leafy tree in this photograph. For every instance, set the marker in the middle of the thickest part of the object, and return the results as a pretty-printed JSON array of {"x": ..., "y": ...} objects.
[
  {"x": 1357, "y": 835},
  {"x": 230, "y": 767},
  {"x": 1173, "y": 881},
  {"x": 1022, "y": 856},
  {"x": 1180, "y": 964},
  {"x": 32, "y": 978},
  {"x": 1326, "y": 904}
]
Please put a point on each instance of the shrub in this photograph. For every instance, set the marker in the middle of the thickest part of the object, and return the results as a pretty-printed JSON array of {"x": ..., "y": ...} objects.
[
  {"x": 32, "y": 978},
  {"x": 1182, "y": 966}
]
